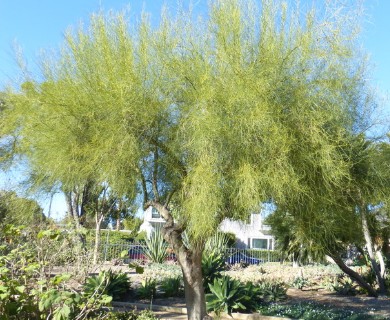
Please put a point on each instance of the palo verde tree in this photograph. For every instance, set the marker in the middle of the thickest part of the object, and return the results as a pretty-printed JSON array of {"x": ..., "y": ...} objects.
[{"x": 206, "y": 118}]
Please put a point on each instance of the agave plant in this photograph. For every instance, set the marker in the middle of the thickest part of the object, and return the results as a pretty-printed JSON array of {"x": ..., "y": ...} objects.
[
  {"x": 216, "y": 244},
  {"x": 212, "y": 266},
  {"x": 272, "y": 291},
  {"x": 156, "y": 247},
  {"x": 226, "y": 295},
  {"x": 109, "y": 283}
]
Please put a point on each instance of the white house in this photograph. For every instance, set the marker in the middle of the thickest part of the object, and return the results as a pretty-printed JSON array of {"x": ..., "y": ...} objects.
[
  {"x": 251, "y": 235},
  {"x": 152, "y": 220}
]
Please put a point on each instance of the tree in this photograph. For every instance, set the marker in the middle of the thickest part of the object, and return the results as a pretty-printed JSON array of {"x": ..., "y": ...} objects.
[
  {"x": 18, "y": 210},
  {"x": 205, "y": 119}
]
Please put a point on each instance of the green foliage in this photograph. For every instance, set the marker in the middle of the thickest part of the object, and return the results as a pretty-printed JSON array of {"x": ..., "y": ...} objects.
[
  {"x": 172, "y": 287},
  {"x": 212, "y": 266},
  {"x": 345, "y": 286},
  {"x": 18, "y": 210},
  {"x": 231, "y": 239},
  {"x": 18, "y": 267},
  {"x": 156, "y": 247},
  {"x": 300, "y": 283},
  {"x": 272, "y": 291},
  {"x": 229, "y": 295},
  {"x": 66, "y": 305},
  {"x": 226, "y": 295},
  {"x": 110, "y": 236},
  {"x": 141, "y": 236},
  {"x": 313, "y": 311},
  {"x": 26, "y": 289},
  {"x": 132, "y": 224},
  {"x": 108, "y": 283},
  {"x": 148, "y": 289},
  {"x": 146, "y": 315},
  {"x": 216, "y": 244}
]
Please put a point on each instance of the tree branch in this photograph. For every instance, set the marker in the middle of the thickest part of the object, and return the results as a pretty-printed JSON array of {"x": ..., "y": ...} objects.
[
  {"x": 144, "y": 190},
  {"x": 155, "y": 175}
]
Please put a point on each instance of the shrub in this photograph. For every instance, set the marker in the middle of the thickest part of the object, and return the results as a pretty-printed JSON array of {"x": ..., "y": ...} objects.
[
  {"x": 111, "y": 237},
  {"x": 146, "y": 315},
  {"x": 273, "y": 291},
  {"x": 108, "y": 282},
  {"x": 172, "y": 287},
  {"x": 148, "y": 289},
  {"x": 345, "y": 286},
  {"x": 300, "y": 283}
]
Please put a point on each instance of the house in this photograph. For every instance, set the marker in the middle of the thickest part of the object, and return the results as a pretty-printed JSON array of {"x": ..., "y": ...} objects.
[
  {"x": 251, "y": 235},
  {"x": 152, "y": 220}
]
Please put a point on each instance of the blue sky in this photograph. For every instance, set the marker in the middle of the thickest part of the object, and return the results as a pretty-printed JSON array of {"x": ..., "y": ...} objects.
[{"x": 40, "y": 24}]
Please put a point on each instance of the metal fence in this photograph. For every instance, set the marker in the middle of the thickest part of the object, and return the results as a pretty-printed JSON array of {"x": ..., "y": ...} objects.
[{"x": 136, "y": 251}]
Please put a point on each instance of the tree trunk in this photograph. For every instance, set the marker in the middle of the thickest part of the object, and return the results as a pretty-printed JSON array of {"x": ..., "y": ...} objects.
[
  {"x": 353, "y": 275},
  {"x": 118, "y": 224},
  {"x": 71, "y": 202},
  {"x": 371, "y": 254},
  {"x": 190, "y": 261},
  {"x": 97, "y": 238},
  {"x": 381, "y": 263},
  {"x": 193, "y": 285}
]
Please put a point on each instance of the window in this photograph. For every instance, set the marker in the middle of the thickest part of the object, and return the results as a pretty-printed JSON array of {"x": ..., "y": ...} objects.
[
  {"x": 155, "y": 214},
  {"x": 259, "y": 243}
]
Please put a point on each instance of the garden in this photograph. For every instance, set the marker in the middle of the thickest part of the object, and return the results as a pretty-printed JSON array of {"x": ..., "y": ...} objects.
[{"x": 48, "y": 275}]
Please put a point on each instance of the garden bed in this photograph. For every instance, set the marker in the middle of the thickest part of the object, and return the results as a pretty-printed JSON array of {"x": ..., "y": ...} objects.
[{"x": 313, "y": 296}]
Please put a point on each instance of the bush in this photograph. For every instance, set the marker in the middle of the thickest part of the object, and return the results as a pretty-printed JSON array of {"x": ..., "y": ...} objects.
[
  {"x": 172, "y": 287},
  {"x": 148, "y": 289},
  {"x": 345, "y": 286},
  {"x": 109, "y": 283},
  {"x": 26, "y": 292},
  {"x": 300, "y": 283},
  {"x": 109, "y": 236},
  {"x": 272, "y": 291}
]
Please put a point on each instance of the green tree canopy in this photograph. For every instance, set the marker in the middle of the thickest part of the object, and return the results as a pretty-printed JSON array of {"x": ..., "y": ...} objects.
[{"x": 18, "y": 210}]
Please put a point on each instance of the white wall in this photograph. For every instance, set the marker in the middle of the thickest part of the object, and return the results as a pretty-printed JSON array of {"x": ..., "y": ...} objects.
[{"x": 246, "y": 232}]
